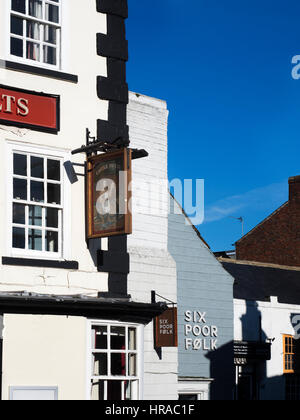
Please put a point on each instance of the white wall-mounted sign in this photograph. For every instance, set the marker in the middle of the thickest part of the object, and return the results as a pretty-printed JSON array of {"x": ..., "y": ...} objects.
[
  {"x": 31, "y": 393},
  {"x": 199, "y": 335}
]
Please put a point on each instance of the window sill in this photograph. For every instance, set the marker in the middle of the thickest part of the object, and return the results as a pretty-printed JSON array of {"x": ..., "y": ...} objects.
[
  {"x": 40, "y": 71},
  {"x": 27, "y": 262}
]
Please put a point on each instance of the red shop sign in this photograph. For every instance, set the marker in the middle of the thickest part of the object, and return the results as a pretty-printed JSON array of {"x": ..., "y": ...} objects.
[{"x": 27, "y": 109}]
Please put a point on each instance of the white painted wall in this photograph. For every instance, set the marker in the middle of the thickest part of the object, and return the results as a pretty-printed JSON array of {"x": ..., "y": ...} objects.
[
  {"x": 39, "y": 350},
  {"x": 80, "y": 109},
  {"x": 276, "y": 322},
  {"x": 151, "y": 265},
  {"x": 152, "y": 268}
]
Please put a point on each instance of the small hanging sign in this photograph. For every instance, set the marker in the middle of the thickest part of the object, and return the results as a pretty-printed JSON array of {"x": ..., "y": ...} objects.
[
  {"x": 166, "y": 334},
  {"x": 108, "y": 194}
]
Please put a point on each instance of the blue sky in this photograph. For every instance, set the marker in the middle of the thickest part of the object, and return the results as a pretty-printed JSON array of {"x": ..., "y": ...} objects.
[{"x": 224, "y": 68}]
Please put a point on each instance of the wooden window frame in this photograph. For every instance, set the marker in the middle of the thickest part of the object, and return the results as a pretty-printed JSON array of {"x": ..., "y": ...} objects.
[{"x": 288, "y": 353}]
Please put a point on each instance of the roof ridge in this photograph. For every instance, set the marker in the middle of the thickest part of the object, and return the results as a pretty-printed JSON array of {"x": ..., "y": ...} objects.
[
  {"x": 263, "y": 221},
  {"x": 258, "y": 264},
  {"x": 189, "y": 220}
]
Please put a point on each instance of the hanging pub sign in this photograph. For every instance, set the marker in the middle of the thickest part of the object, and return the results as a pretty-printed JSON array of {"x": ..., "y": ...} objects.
[
  {"x": 166, "y": 334},
  {"x": 108, "y": 194},
  {"x": 28, "y": 109}
]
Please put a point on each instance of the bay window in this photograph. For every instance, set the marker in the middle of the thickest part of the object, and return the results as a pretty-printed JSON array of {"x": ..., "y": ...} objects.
[{"x": 115, "y": 362}]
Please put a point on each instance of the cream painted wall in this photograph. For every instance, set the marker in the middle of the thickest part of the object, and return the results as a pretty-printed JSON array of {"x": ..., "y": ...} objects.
[
  {"x": 45, "y": 351},
  {"x": 152, "y": 267},
  {"x": 80, "y": 109}
]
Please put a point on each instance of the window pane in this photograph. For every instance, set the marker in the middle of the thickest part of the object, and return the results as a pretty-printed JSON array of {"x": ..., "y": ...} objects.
[
  {"x": 132, "y": 338},
  {"x": 18, "y": 6},
  {"x": 33, "y": 30},
  {"x": 53, "y": 193},
  {"x": 20, "y": 164},
  {"x": 33, "y": 51},
  {"x": 19, "y": 238},
  {"x": 20, "y": 189},
  {"x": 35, "y": 216},
  {"x": 118, "y": 338},
  {"x": 131, "y": 390},
  {"x": 16, "y": 25},
  {"x": 52, "y": 218},
  {"x": 100, "y": 338},
  {"x": 188, "y": 397},
  {"x": 114, "y": 390},
  {"x": 19, "y": 214},
  {"x": 100, "y": 364},
  {"x": 35, "y": 240},
  {"x": 132, "y": 365},
  {"x": 35, "y": 8},
  {"x": 37, "y": 167},
  {"x": 50, "y": 34},
  {"x": 49, "y": 55},
  {"x": 97, "y": 391},
  {"x": 127, "y": 391},
  {"x": 51, "y": 241},
  {"x": 118, "y": 364},
  {"x": 37, "y": 191},
  {"x": 52, "y": 14},
  {"x": 16, "y": 47},
  {"x": 53, "y": 170}
]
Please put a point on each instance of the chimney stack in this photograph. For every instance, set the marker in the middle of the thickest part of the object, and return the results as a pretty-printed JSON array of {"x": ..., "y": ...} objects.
[{"x": 294, "y": 183}]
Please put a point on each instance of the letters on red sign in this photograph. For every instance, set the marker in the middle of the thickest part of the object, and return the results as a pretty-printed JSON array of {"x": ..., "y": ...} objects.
[
  {"x": 11, "y": 105},
  {"x": 29, "y": 109}
]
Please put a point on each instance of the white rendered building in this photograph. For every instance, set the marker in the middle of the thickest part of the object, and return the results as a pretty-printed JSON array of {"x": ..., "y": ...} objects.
[{"x": 77, "y": 315}]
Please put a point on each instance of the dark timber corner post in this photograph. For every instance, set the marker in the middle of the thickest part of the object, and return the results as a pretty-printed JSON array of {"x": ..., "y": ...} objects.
[{"x": 114, "y": 89}]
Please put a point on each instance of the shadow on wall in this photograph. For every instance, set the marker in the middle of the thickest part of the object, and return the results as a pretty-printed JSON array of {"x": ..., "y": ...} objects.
[
  {"x": 253, "y": 382},
  {"x": 251, "y": 323},
  {"x": 222, "y": 371},
  {"x": 114, "y": 261},
  {"x": 252, "y": 376}
]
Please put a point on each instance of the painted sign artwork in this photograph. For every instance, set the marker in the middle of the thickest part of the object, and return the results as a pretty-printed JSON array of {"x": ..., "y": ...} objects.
[
  {"x": 108, "y": 179},
  {"x": 27, "y": 109}
]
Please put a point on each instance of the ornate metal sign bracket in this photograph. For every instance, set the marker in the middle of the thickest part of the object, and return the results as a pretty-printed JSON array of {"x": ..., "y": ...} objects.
[{"x": 93, "y": 146}]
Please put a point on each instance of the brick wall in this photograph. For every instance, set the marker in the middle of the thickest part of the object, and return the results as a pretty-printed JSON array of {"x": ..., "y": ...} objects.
[{"x": 277, "y": 239}]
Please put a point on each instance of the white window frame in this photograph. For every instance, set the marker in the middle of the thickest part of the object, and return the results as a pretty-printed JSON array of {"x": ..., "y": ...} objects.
[
  {"x": 60, "y": 33},
  {"x": 199, "y": 387},
  {"x": 65, "y": 239},
  {"x": 140, "y": 355}
]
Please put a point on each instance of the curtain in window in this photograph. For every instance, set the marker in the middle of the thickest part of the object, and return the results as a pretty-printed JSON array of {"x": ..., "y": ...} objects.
[
  {"x": 33, "y": 30},
  {"x": 36, "y": 8},
  {"x": 33, "y": 51}
]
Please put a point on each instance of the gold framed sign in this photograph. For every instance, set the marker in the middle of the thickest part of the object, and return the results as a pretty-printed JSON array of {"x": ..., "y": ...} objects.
[{"x": 108, "y": 194}]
